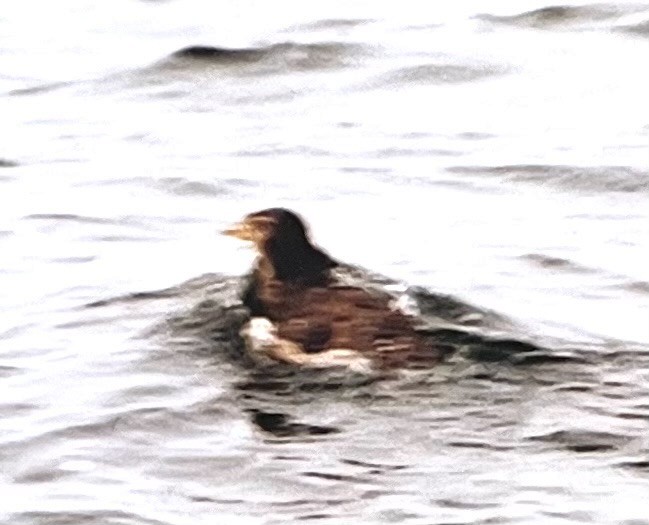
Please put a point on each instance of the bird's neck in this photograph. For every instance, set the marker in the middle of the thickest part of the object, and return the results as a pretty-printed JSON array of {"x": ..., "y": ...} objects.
[{"x": 301, "y": 264}]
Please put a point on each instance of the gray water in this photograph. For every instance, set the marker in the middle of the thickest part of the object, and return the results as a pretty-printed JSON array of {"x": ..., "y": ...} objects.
[{"x": 497, "y": 152}]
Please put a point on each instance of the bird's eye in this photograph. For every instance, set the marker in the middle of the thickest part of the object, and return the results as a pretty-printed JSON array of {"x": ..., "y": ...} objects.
[{"x": 263, "y": 224}]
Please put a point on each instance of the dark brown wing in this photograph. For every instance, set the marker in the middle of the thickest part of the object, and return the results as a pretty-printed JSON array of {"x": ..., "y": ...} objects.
[{"x": 323, "y": 318}]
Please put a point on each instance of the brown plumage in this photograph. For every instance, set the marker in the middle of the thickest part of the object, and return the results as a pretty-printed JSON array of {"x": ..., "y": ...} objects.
[{"x": 294, "y": 287}]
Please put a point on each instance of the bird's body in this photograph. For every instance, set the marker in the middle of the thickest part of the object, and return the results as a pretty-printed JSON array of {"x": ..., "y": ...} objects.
[{"x": 294, "y": 286}]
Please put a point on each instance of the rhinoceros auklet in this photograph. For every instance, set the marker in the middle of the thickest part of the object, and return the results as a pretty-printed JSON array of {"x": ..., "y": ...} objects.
[{"x": 311, "y": 319}]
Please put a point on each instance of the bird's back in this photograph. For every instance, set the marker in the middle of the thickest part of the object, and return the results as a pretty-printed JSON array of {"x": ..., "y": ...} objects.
[{"x": 329, "y": 316}]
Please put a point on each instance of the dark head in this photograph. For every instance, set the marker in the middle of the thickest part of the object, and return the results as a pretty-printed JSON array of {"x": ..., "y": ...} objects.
[{"x": 281, "y": 237}]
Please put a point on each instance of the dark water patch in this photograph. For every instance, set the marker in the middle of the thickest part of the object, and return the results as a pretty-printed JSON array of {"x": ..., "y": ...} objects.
[
  {"x": 219, "y": 54},
  {"x": 275, "y": 58},
  {"x": 639, "y": 29},
  {"x": 575, "y": 387},
  {"x": 41, "y": 475},
  {"x": 14, "y": 331},
  {"x": 488, "y": 349},
  {"x": 641, "y": 287},
  {"x": 623, "y": 179},
  {"x": 220, "y": 501},
  {"x": 307, "y": 502},
  {"x": 282, "y": 381},
  {"x": 438, "y": 74},
  {"x": 132, "y": 297},
  {"x": 280, "y": 425},
  {"x": 96, "y": 517},
  {"x": 436, "y": 306},
  {"x": 480, "y": 445},
  {"x": 582, "y": 441},
  {"x": 15, "y": 409},
  {"x": 332, "y": 23},
  {"x": 626, "y": 355},
  {"x": 314, "y": 517},
  {"x": 6, "y": 163},
  {"x": 575, "y": 516},
  {"x": 73, "y": 260},
  {"x": 373, "y": 468},
  {"x": 474, "y": 135},
  {"x": 169, "y": 94},
  {"x": 642, "y": 415},
  {"x": 8, "y": 370},
  {"x": 555, "y": 263},
  {"x": 68, "y": 217},
  {"x": 454, "y": 504},
  {"x": 156, "y": 419},
  {"x": 331, "y": 476},
  {"x": 563, "y": 16},
  {"x": 640, "y": 465},
  {"x": 37, "y": 90}
]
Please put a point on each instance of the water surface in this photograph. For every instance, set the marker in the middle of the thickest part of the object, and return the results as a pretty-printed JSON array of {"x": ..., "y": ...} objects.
[{"x": 494, "y": 152}]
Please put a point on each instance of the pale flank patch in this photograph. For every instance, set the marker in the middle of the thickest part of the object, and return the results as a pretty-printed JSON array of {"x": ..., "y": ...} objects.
[{"x": 263, "y": 345}]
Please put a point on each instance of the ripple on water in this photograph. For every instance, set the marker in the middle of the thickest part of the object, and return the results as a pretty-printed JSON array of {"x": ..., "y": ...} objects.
[
  {"x": 6, "y": 163},
  {"x": 283, "y": 57},
  {"x": 82, "y": 219},
  {"x": 640, "y": 466},
  {"x": 583, "y": 441},
  {"x": 280, "y": 425},
  {"x": 640, "y": 287},
  {"x": 191, "y": 188},
  {"x": 624, "y": 179},
  {"x": 94, "y": 517},
  {"x": 640, "y": 29},
  {"x": 555, "y": 263},
  {"x": 565, "y": 16},
  {"x": 39, "y": 89},
  {"x": 437, "y": 74},
  {"x": 332, "y": 23},
  {"x": 14, "y": 409}
]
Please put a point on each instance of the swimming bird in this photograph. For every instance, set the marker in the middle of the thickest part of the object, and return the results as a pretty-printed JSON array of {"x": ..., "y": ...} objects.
[{"x": 304, "y": 314}]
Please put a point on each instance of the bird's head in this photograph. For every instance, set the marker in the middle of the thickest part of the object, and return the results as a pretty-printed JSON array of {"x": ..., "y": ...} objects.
[
  {"x": 280, "y": 236},
  {"x": 270, "y": 225}
]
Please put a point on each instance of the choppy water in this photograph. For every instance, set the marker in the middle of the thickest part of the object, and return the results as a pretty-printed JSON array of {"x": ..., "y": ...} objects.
[{"x": 495, "y": 151}]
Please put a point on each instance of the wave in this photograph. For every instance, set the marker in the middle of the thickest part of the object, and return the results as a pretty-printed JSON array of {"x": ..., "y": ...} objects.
[
  {"x": 332, "y": 23},
  {"x": 440, "y": 74},
  {"x": 218, "y": 314},
  {"x": 583, "y": 440},
  {"x": 555, "y": 263},
  {"x": 639, "y": 29},
  {"x": 281, "y": 57},
  {"x": 6, "y": 163},
  {"x": 623, "y": 179},
  {"x": 83, "y": 219},
  {"x": 639, "y": 287},
  {"x": 40, "y": 88},
  {"x": 559, "y": 16}
]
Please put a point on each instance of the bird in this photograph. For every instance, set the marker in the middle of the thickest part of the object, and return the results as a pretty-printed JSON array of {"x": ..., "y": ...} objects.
[{"x": 304, "y": 314}]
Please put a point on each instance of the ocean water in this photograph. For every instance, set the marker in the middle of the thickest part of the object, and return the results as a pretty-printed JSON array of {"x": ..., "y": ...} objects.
[{"x": 497, "y": 152}]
